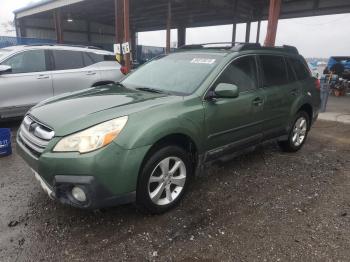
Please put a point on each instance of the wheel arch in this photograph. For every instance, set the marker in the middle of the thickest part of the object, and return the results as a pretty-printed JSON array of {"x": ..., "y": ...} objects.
[
  {"x": 308, "y": 109},
  {"x": 178, "y": 139}
]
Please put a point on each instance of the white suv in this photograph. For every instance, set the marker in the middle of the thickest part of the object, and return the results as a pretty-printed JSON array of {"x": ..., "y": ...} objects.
[{"x": 30, "y": 74}]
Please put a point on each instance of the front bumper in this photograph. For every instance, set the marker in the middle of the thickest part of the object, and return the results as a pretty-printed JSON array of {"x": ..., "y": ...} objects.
[
  {"x": 108, "y": 176},
  {"x": 97, "y": 195}
]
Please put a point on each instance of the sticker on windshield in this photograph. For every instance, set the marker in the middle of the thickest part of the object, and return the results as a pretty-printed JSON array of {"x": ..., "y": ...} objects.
[{"x": 203, "y": 61}]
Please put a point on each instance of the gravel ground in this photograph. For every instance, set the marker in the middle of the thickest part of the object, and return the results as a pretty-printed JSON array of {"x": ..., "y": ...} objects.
[{"x": 263, "y": 206}]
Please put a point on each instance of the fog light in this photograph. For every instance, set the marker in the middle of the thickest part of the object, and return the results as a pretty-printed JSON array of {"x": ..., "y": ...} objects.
[{"x": 79, "y": 194}]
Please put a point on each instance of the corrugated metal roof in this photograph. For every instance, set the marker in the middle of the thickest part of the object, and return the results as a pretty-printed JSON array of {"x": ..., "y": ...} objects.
[
  {"x": 43, "y": 6},
  {"x": 33, "y": 5}
]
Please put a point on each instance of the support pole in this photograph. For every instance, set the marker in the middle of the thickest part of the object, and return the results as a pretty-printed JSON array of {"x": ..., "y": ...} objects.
[
  {"x": 181, "y": 36},
  {"x": 234, "y": 33},
  {"x": 118, "y": 17},
  {"x": 134, "y": 41},
  {"x": 247, "y": 32},
  {"x": 274, "y": 14},
  {"x": 127, "y": 33},
  {"x": 88, "y": 28},
  {"x": 58, "y": 25},
  {"x": 258, "y": 32},
  {"x": 234, "y": 26},
  {"x": 20, "y": 28},
  {"x": 168, "y": 28}
]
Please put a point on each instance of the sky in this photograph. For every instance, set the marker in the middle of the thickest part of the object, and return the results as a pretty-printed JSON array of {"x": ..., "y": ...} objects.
[{"x": 321, "y": 36}]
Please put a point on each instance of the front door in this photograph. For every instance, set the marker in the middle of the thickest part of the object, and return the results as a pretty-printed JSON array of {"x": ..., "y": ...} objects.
[
  {"x": 29, "y": 83},
  {"x": 233, "y": 123}
]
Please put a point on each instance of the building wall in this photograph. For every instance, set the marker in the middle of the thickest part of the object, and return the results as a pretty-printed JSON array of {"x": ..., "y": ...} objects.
[{"x": 75, "y": 32}]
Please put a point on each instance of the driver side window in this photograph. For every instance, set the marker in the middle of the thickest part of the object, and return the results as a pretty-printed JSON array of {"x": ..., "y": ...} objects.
[
  {"x": 242, "y": 73},
  {"x": 27, "y": 62}
]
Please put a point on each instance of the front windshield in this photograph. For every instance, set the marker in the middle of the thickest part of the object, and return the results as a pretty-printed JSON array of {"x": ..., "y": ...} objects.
[{"x": 178, "y": 73}]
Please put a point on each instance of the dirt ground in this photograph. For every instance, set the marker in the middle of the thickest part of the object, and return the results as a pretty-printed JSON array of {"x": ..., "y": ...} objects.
[{"x": 264, "y": 206}]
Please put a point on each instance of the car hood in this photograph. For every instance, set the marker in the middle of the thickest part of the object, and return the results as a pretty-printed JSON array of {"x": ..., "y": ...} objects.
[{"x": 72, "y": 112}]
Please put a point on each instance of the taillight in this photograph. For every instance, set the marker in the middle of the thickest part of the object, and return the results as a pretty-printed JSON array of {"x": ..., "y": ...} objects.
[
  {"x": 124, "y": 70},
  {"x": 318, "y": 84}
]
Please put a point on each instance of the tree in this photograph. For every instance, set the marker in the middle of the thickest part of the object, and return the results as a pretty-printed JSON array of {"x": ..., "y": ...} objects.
[{"x": 9, "y": 26}]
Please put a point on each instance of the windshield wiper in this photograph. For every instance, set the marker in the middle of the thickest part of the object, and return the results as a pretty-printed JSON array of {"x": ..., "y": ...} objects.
[
  {"x": 120, "y": 84},
  {"x": 151, "y": 90}
]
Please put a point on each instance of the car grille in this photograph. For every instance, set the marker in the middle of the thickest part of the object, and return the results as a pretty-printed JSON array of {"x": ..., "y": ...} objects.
[{"x": 34, "y": 136}]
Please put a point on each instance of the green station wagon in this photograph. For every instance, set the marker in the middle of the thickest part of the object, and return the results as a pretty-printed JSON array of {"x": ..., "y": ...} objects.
[{"x": 143, "y": 139}]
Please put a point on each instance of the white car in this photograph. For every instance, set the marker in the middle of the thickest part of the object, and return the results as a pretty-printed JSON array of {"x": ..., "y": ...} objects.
[{"x": 30, "y": 74}]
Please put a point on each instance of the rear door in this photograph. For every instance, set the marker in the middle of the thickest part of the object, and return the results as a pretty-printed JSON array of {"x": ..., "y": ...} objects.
[
  {"x": 72, "y": 72},
  {"x": 234, "y": 123},
  {"x": 107, "y": 65},
  {"x": 305, "y": 81},
  {"x": 29, "y": 83},
  {"x": 280, "y": 94}
]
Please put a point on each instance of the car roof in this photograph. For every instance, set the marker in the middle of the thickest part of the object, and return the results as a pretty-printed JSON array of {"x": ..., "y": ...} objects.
[{"x": 58, "y": 47}]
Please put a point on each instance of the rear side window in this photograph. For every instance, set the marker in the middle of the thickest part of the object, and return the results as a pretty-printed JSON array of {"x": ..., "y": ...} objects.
[
  {"x": 109, "y": 58},
  {"x": 300, "y": 69},
  {"x": 291, "y": 74},
  {"x": 27, "y": 62},
  {"x": 88, "y": 59},
  {"x": 274, "y": 70},
  {"x": 242, "y": 73},
  {"x": 97, "y": 58},
  {"x": 65, "y": 60}
]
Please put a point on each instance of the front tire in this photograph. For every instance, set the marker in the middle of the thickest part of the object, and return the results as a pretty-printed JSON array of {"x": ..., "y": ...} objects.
[
  {"x": 163, "y": 180},
  {"x": 298, "y": 133}
]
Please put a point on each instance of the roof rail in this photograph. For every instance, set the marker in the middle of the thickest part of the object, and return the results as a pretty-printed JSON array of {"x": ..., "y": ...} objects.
[
  {"x": 215, "y": 45},
  {"x": 246, "y": 46},
  {"x": 67, "y": 45},
  {"x": 291, "y": 49},
  {"x": 240, "y": 46}
]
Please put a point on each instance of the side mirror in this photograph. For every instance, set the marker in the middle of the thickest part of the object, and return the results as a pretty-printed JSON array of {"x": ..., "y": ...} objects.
[
  {"x": 223, "y": 90},
  {"x": 5, "y": 69}
]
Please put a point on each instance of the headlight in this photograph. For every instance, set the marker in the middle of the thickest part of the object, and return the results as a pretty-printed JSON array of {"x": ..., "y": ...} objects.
[{"x": 92, "y": 138}]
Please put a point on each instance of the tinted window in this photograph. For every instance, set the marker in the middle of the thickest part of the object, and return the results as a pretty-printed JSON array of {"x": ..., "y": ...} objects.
[
  {"x": 88, "y": 59},
  {"x": 95, "y": 57},
  {"x": 109, "y": 58},
  {"x": 100, "y": 58},
  {"x": 178, "y": 73},
  {"x": 300, "y": 69},
  {"x": 27, "y": 62},
  {"x": 274, "y": 70},
  {"x": 242, "y": 73},
  {"x": 290, "y": 71},
  {"x": 68, "y": 59}
]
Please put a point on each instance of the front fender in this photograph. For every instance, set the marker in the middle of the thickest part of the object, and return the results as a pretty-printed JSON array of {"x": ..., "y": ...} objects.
[{"x": 146, "y": 128}]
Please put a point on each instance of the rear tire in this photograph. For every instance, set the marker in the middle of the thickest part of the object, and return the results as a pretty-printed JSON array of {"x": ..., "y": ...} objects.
[
  {"x": 163, "y": 180},
  {"x": 298, "y": 133}
]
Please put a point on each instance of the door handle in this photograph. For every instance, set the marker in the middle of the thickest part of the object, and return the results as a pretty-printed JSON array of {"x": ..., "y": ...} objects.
[
  {"x": 43, "y": 77},
  {"x": 294, "y": 92},
  {"x": 258, "y": 101},
  {"x": 90, "y": 73}
]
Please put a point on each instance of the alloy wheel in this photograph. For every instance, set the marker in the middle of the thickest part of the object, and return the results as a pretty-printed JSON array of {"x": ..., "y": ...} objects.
[
  {"x": 167, "y": 181},
  {"x": 299, "y": 131}
]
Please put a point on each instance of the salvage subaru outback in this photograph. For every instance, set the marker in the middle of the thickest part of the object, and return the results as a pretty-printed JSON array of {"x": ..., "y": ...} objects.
[{"x": 142, "y": 140}]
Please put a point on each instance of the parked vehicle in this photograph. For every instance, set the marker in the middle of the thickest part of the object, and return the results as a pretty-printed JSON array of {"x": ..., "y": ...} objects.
[
  {"x": 30, "y": 74},
  {"x": 314, "y": 70},
  {"x": 143, "y": 139},
  {"x": 339, "y": 65}
]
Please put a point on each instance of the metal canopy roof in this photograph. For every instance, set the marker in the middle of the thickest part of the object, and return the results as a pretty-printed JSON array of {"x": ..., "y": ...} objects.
[{"x": 149, "y": 15}]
